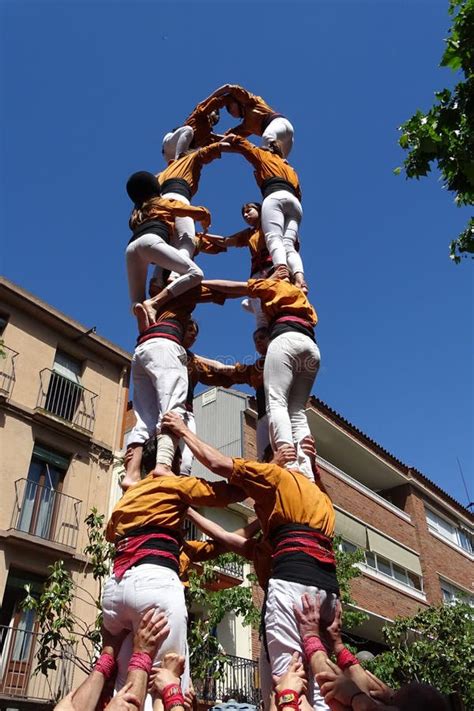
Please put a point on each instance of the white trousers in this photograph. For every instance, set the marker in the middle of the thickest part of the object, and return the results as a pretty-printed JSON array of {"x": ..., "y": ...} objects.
[
  {"x": 152, "y": 249},
  {"x": 184, "y": 238},
  {"x": 290, "y": 369},
  {"x": 187, "y": 457},
  {"x": 124, "y": 603},
  {"x": 281, "y": 629},
  {"x": 254, "y": 306},
  {"x": 160, "y": 384},
  {"x": 176, "y": 142},
  {"x": 280, "y": 129},
  {"x": 281, "y": 217}
]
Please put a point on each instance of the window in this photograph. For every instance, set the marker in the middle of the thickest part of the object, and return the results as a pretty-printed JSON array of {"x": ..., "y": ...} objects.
[
  {"x": 393, "y": 570},
  {"x": 40, "y": 501},
  {"x": 3, "y": 323},
  {"x": 452, "y": 594},
  {"x": 64, "y": 390},
  {"x": 450, "y": 531}
]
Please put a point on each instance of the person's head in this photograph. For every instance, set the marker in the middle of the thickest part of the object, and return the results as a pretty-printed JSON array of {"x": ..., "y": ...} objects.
[
  {"x": 191, "y": 333},
  {"x": 416, "y": 696},
  {"x": 142, "y": 186},
  {"x": 214, "y": 117},
  {"x": 251, "y": 213},
  {"x": 260, "y": 339},
  {"x": 234, "y": 108}
]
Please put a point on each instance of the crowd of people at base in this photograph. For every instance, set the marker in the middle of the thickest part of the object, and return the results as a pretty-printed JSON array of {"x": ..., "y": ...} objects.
[{"x": 145, "y": 654}]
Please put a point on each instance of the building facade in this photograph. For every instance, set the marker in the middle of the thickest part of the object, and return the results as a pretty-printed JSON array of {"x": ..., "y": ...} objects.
[
  {"x": 417, "y": 540},
  {"x": 63, "y": 393}
]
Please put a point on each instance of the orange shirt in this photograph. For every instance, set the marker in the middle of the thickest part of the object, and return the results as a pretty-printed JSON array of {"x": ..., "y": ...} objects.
[
  {"x": 254, "y": 108},
  {"x": 267, "y": 164},
  {"x": 261, "y": 557},
  {"x": 204, "y": 245},
  {"x": 199, "y": 371},
  {"x": 163, "y": 501},
  {"x": 196, "y": 552},
  {"x": 278, "y": 297},
  {"x": 166, "y": 210},
  {"x": 199, "y": 120},
  {"x": 182, "y": 306},
  {"x": 189, "y": 167},
  {"x": 251, "y": 374},
  {"x": 283, "y": 496}
]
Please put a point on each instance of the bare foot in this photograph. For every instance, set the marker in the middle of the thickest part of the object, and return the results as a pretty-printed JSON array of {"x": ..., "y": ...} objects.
[
  {"x": 161, "y": 470},
  {"x": 141, "y": 314},
  {"x": 300, "y": 282},
  {"x": 130, "y": 479},
  {"x": 150, "y": 307},
  {"x": 174, "y": 662}
]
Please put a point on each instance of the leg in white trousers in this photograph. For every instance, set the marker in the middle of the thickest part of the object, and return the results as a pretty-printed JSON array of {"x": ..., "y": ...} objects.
[
  {"x": 281, "y": 217},
  {"x": 152, "y": 249},
  {"x": 254, "y": 306},
  {"x": 187, "y": 457},
  {"x": 281, "y": 629},
  {"x": 176, "y": 142},
  {"x": 185, "y": 231},
  {"x": 291, "y": 366},
  {"x": 281, "y": 130},
  {"x": 124, "y": 602},
  {"x": 160, "y": 384}
]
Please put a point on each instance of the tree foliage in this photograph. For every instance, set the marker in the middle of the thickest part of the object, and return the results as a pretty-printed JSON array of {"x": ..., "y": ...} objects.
[
  {"x": 347, "y": 570},
  {"x": 63, "y": 634},
  {"x": 436, "y": 647},
  {"x": 445, "y": 134}
]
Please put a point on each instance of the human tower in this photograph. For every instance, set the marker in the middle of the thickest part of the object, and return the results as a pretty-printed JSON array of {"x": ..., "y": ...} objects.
[{"x": 290, "y": 542}]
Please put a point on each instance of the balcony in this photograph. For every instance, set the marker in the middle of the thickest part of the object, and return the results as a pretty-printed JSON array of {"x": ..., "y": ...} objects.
[
  {"x": 18, "y": 651},
  {"x": 233, "y": 678},
  {"x": 46, "y": 513},
  {"x": 233, "y": 569},
  {"x": 7, "y": 371},
  {"x": 66, "y": 400}
]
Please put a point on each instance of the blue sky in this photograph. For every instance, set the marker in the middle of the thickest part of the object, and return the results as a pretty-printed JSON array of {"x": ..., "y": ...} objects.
[{"x": 89, "y": 88}]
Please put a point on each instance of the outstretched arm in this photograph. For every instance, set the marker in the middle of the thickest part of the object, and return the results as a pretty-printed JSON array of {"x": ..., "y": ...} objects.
[
  {"x": 232, "y": 288},
  {"x": 210, "y": 457},
  {"x": 232, "y": 541}
]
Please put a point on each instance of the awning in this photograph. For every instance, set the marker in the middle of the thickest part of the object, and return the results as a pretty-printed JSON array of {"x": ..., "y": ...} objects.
[{"x": 393, "y": 551}]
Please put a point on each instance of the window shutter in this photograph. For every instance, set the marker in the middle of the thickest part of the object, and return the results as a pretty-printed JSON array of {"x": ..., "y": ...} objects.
[
  {"x": 351, "y": 530},
  {"x": 392, "y": 551}
]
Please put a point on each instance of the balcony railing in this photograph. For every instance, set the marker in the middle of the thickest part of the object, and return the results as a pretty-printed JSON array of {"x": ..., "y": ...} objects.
[
  {"x": 46, "y": 513},
  {"x": 7, "y": 370},
  {"x": 67, "y": 400},
  {"x": 18, "y": 652},
  {"x": 237, "y": 678},
  {"x": 233, "y": 568}
]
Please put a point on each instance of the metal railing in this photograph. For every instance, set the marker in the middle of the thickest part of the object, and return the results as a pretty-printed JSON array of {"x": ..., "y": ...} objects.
[
  {"x": 233, "y": 568},
  {"x": 66, "y": 399},
  {"x": 7, "y": 370},
  {"x": 18, "y": 653},
  {"x": 46, "y": 513},
  {"x": 237, "y": 678}
]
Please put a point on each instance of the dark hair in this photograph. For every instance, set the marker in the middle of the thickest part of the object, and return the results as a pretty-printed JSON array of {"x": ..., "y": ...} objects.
[
  {"x": 261, "y": 328},
  {"x": 256, "y": 205},
  {"x": 193, "y": 322},
  {"x": 142, "y": 186}
]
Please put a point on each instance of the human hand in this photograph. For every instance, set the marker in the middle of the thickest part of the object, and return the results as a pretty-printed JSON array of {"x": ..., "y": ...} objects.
[
  {"x": 333, "y": 684},
  {"x": 190, "y": 698},
  {"x": 111, "y": 643},
  {"x": 294, "y": 678},
  {"x": 152, "y": 631},
  {"x": 124, "y": 700},
  {"x": 174, "y": 663},
  {"x": 160, "y": 679},
  {"x": 378, "y": 689},
  {"x": 284, "y": 455},
  {"x": 308, "y": 616},
  {"x": 66, "y": 703},
  {"x": 281, "y": 272},
  {"x": 332, "y": 633},
  {"x": 172, "y": 421}
]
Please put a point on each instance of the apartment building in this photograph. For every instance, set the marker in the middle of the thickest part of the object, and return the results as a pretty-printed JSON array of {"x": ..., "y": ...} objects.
[
  {"x": 417, "y": 540},
  {"x": 63, "y": 393}
]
